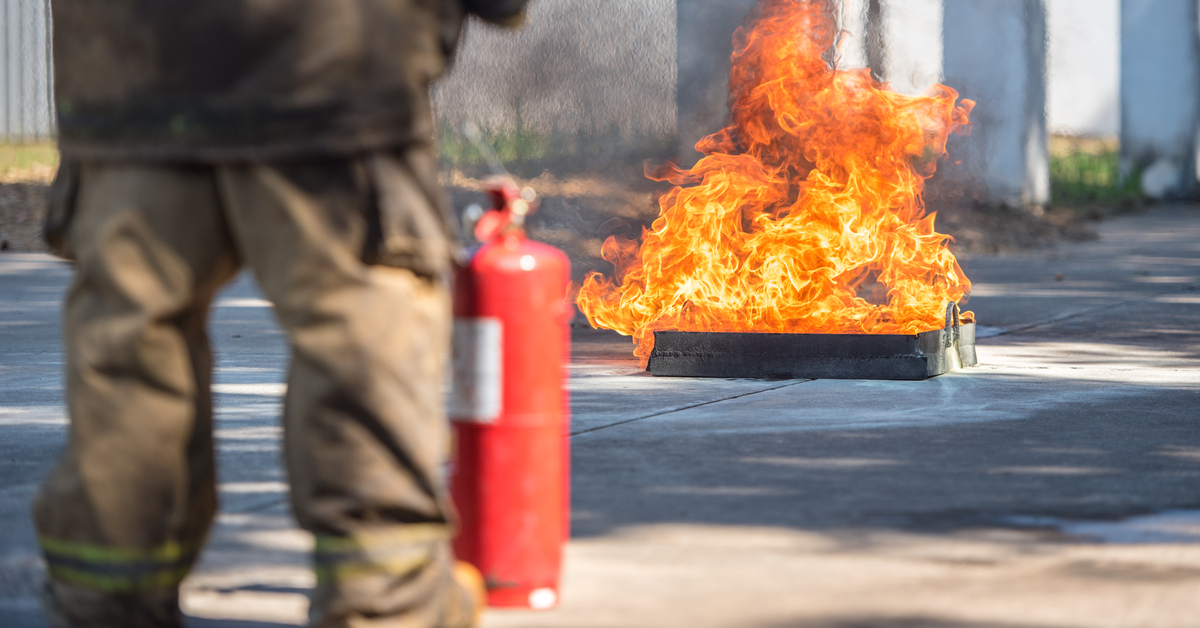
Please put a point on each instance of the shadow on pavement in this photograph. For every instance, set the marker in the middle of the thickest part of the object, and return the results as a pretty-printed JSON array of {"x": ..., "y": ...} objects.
[
  {"x": 1122, "y": 451},
  {"x": 1088, "y": 418},
  {"x": 894, "y": 622}
]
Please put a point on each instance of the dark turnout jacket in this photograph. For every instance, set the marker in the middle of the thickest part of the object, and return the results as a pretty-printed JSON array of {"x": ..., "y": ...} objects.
[{"x": 248, "y": 79}]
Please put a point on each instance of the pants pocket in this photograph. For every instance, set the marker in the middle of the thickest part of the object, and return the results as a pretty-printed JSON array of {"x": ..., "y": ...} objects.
[{"x": 414, "y": 231}]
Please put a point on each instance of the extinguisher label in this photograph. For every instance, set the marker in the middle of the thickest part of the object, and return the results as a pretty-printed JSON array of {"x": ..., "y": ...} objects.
[{"x": 476, "y": 370}]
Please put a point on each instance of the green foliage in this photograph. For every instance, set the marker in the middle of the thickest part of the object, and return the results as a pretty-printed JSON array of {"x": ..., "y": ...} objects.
[
  {"x": 1088, "y": 173},
  {"x": 526, "y": 151},
  {"x": 24, "y": 156}
]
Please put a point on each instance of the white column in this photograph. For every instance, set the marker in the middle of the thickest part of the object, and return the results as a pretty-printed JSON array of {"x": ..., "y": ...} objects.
[
  {"x": 26, "y": 110},
  {"x": 910, "y": 33},
  {"x": 1083, "y": 84},
  {"x": 1160, "y": 95},
  {"x": 994, "y": 52},
  {"x": 855, "y": 24}
]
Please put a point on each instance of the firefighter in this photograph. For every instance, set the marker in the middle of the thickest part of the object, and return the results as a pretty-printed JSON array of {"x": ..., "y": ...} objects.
[{"x": 294, "y": 138}]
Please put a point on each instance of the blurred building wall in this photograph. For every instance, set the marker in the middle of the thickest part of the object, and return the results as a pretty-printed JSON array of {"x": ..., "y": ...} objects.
[
  {"x": 995, "y": 54},
  {"x": 1160, "y": 95},
  {"x": 605, "y": 62},
  {"x": 576, "y": 65},
  {"x": 1083, "y": 92},
  {"x": 909, "y": 44},
  {"x": 26, "y": 105}
]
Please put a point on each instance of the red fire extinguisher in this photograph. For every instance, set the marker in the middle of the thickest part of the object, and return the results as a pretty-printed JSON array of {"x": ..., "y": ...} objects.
[{"x": 509, "y": 477}]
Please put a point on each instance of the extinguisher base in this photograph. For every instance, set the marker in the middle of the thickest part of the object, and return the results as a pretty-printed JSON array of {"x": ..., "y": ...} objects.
[{"x": 533, "y": 598}]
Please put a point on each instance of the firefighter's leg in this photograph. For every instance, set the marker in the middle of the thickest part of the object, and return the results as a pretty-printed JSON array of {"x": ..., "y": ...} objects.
[
  {"x": 365, "y": 436},
  {"x": 122, "y": 516}
]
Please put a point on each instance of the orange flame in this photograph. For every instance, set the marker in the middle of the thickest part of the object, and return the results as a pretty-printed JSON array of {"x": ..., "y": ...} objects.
[{"x": 805, "y": 215}]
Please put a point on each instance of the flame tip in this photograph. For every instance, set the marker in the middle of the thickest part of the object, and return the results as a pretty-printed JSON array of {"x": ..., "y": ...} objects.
[{"x": 804, "y": 214}]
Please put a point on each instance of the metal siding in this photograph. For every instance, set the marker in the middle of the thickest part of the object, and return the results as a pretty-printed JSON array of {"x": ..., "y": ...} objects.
[{"x": 27, "y": 106}]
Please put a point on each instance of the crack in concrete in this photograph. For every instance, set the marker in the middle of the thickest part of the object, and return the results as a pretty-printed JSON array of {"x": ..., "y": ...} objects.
[
  {"x": 695, "y": 405},
  {"x": 1095, "y": 310}
]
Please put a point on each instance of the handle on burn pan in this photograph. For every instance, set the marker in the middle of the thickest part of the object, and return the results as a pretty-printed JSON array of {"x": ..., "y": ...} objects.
[
  {"x": 954, "y": 338},
  {"x": 953, "y": 325}
]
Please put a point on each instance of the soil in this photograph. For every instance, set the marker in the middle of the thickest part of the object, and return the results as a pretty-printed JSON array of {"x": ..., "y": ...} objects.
[
  {"x": 22, "y": 206},
  {"x": 579, "y": 212}
]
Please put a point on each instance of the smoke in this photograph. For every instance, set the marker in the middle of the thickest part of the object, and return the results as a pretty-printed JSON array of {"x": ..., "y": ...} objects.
[{"x": 577, "y": 66}]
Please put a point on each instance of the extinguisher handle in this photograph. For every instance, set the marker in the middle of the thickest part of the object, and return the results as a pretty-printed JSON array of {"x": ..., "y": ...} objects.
[
  {"x": 503, "y": 191},
  {"x": 510, "y": 206}
]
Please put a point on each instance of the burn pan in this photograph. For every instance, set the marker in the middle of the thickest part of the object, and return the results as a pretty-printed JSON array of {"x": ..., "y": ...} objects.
[{"x": 815, "y": 356}]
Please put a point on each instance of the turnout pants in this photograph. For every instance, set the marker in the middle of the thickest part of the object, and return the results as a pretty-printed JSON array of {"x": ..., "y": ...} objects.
[{"x": 353, "y": 253}]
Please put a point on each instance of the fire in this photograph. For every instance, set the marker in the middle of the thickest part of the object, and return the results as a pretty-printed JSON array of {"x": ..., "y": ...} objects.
[{"x": 805, "y": 214}]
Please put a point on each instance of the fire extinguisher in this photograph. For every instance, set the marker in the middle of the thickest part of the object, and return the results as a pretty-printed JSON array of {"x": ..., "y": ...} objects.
[{"x": 509, "y": 474}]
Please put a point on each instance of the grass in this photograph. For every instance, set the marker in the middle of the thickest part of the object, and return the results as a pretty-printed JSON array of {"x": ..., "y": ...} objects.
[
  {"x": 18, "y": 156},
  {"x": 1085, "y": 172},
  {"x": 27, "y": 162},
  {"x": 526, "y": 151}
]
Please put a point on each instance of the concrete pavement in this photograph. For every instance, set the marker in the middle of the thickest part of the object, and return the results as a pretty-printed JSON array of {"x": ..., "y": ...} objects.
[{"x": 1057, "y": 485}]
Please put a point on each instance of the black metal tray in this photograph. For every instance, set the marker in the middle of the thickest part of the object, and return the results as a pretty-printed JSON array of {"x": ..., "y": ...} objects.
[{"x": 815, "y": 356}]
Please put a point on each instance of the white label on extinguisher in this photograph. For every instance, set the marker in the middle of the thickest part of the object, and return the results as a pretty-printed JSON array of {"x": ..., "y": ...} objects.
[{"x": 477, "y": 370}]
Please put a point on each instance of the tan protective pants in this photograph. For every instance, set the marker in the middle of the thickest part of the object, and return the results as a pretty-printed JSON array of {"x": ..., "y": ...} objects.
[{"x": 353, "y": 253}]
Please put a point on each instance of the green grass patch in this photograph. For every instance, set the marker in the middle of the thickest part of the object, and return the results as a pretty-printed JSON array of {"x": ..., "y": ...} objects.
[
  {"x": 1086, "y": 172},
  {"x": 528, "y": 152},
  {"x": 25, "y": 156}
]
